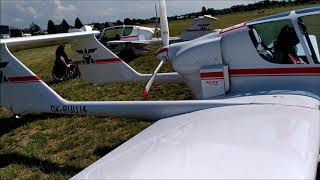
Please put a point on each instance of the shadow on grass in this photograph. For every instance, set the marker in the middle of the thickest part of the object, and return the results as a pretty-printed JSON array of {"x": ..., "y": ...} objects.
[
  {"x": 53, "y": 82},
  {"x": 104, "y": 150},
  {"x": 127, "y": 56},
  {"x": 11, "y": 123},
  {"x": 44, "y": 165}
]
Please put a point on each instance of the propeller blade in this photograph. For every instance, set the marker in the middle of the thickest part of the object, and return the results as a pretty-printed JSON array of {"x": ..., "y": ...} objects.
[
  {"x": 157, "y": 21},
  {"x": 165, "y": 38},
  {"x": 164, "y": 23},
  {"x": 150, "y": 82}
]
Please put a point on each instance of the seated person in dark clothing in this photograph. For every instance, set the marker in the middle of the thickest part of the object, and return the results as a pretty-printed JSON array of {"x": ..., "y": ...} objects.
[
  {"x": 285, "y": 51},
  {"x": 61, "y": 62}
]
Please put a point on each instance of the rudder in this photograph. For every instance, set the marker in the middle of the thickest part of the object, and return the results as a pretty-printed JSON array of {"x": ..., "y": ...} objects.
[
  {"x": 201, "y": 26},
  {"x": 98, "y": 64}
]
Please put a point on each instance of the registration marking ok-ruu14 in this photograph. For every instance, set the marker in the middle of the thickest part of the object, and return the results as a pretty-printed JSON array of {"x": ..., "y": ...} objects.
[{"x": 69, "y": 109}]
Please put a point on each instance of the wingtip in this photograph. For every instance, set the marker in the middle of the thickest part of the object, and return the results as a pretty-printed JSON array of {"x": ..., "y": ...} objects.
[{"x": 145, "y": 93}]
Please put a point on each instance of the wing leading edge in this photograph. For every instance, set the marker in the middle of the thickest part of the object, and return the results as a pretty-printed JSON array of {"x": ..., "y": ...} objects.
[
  {"x": 253, "y": 141},
  {"x": 21, "y": 43}
]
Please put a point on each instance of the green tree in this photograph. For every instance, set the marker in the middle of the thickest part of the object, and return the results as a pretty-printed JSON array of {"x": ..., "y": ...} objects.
[
  {"x": 128, "y": 21},
  {"x": 119, "y": 22},
  {"x": 203, "y": 11},
  {"x": 65, "y": 26},
  {"x": 78, "y": 24},
  {"x": 34, "y": 28},
  {"x": 51, "y": 28},
  {"x": 106, "y": 24}
]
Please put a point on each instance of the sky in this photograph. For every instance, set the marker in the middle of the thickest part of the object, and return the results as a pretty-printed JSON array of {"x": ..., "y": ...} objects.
[{"x": 21, "y": 13}]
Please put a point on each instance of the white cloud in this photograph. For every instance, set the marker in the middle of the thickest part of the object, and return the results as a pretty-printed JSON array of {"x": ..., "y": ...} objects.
[
  {"x": 19, "y": 6},
  {"x": 18, "y": 20},
  {"x": 26, "y": 9},
  {"x": 61, "y": 8},
  {"x": 31, "y": 11}
]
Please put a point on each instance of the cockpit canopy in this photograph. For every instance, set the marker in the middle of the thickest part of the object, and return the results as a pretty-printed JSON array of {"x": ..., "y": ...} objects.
[
  {"x": 115, "y": 33},
  {"x": 288, "y": 38}
]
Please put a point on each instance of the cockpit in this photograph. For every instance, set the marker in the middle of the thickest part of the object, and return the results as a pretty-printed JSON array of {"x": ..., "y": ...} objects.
[
  {"x": 288, "y": 38},
  {"x": 115, "y": 33}
]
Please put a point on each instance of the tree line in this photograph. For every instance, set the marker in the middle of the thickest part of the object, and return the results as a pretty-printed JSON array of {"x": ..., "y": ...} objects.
[
  {"x": 63, "y": 27},
  {"x": 249, "y": 7},
  {"x": 234, "y": 9}
]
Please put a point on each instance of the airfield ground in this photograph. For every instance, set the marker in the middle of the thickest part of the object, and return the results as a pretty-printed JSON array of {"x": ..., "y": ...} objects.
[{"x": 58, "y": 147}]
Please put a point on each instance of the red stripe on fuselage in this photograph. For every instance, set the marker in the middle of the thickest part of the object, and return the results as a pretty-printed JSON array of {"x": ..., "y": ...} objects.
[
  {"x": 276, "y": 72},
  {"x": 263, "y": 72},
  {"x": 24, "y": 79},
  {"x": 206, "y": 75},
  {"x": 112, "y": 60}
]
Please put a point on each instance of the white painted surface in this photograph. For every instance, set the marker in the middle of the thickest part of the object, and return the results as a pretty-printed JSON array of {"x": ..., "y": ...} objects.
[
  {"x": 252, "y": 142},
  {"x": 113, "y": 69},
  {"x": 213, "y": 86},
  {"x": 201, "y": 26},
  {"x": 44, "y": 40}
]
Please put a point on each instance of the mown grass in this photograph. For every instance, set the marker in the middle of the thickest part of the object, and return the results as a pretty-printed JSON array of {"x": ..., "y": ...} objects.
[{"x": 48, "y": 146}]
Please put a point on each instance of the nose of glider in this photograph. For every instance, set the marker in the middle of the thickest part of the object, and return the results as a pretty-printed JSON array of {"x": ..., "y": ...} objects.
[
  {"x": 170, "y": 53},
  {"x": 163, "y": 53}
]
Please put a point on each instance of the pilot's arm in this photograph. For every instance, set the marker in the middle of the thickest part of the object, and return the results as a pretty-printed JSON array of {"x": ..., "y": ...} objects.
[{"x": 62, "y": 60}]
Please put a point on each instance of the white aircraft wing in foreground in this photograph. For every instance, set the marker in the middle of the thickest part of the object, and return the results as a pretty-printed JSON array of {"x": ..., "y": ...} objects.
[{"x": 269, "y": 137}]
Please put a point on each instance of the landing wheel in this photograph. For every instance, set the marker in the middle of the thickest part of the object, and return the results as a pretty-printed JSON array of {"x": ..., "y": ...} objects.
[
  {"x": 55, "y": 77},
  {"x": 72, "y": 72},
  {"x": 17, "y": 116}
]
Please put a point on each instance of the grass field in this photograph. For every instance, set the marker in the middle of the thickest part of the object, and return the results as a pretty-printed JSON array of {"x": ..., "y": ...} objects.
[{"x": 58, "y": 147}]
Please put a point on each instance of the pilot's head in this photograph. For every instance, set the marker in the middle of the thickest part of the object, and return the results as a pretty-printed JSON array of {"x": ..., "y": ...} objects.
[
  {"x": 288, "y": 36},
  {"x": 60, "y": 50}
]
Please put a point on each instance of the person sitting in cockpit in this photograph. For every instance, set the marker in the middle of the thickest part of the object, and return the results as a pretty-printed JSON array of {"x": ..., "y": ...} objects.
[{"x": 285, "y": 51}]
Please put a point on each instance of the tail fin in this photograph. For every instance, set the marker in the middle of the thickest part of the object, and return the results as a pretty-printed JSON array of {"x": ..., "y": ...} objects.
[
  {"x": 20, "y": 89},
  {"x": 99, "y": 65},
  {"x": 201, "y": 26}
]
